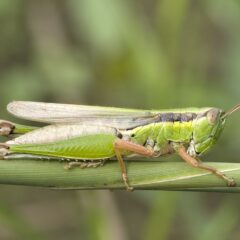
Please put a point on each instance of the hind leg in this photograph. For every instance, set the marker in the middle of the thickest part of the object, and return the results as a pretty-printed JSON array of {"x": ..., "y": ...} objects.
[
  {"x": 124, "y": 145},
  {"x": 6, "y": 128},
  {"x": 85, "y": 164},
  {"x": 4, "y": 150}
]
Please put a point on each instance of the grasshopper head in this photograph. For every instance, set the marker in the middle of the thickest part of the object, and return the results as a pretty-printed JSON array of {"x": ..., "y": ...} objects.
[
  {"x": 207, "y": 129},
  {"x": 208, "y": 126}
]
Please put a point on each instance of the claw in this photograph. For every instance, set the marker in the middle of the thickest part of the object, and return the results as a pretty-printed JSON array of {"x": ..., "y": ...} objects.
[{"x": 6, "y": 128}]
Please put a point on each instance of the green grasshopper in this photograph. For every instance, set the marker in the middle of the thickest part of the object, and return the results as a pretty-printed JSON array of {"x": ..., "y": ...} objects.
[{"x": 86, "y": 136}]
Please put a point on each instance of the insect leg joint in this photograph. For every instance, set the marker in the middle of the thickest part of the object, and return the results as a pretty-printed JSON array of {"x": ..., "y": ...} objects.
[{"x": 6, "y": 128}]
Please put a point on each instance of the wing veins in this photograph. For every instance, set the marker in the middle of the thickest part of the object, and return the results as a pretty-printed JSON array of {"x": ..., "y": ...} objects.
[{"x": 52, "y": 113}]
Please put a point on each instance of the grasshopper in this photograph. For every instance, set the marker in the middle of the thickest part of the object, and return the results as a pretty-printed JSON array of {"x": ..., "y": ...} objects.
[{"x": 86, "y": 136}]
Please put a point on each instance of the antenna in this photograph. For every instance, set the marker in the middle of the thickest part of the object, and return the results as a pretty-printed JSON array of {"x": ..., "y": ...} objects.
[{"x": 232, "y": 110}]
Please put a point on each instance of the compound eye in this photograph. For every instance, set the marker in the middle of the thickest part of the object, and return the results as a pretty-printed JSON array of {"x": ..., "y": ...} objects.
[{"x": 212, "y": 115}]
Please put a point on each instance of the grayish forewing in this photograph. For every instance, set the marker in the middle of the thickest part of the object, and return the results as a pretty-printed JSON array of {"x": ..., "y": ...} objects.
[{"x": 66, "y": 113}]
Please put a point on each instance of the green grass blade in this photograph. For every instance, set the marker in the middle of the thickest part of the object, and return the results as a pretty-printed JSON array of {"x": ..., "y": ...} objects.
[{"x": 142, "y": 175}]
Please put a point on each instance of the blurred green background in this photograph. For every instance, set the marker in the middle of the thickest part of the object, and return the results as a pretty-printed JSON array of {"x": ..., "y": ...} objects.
[{"x": 141, "y": 54}]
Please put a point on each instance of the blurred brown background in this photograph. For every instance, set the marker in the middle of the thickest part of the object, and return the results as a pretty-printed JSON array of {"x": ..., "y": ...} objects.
[{"x": 141, "y": 54}]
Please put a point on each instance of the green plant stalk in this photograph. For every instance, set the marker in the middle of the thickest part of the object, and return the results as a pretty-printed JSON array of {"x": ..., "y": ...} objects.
[{"x": 142, "y": 176}]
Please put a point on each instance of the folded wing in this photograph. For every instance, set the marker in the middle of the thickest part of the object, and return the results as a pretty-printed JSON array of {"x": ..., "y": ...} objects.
[{"x": 54, "y": 113}]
